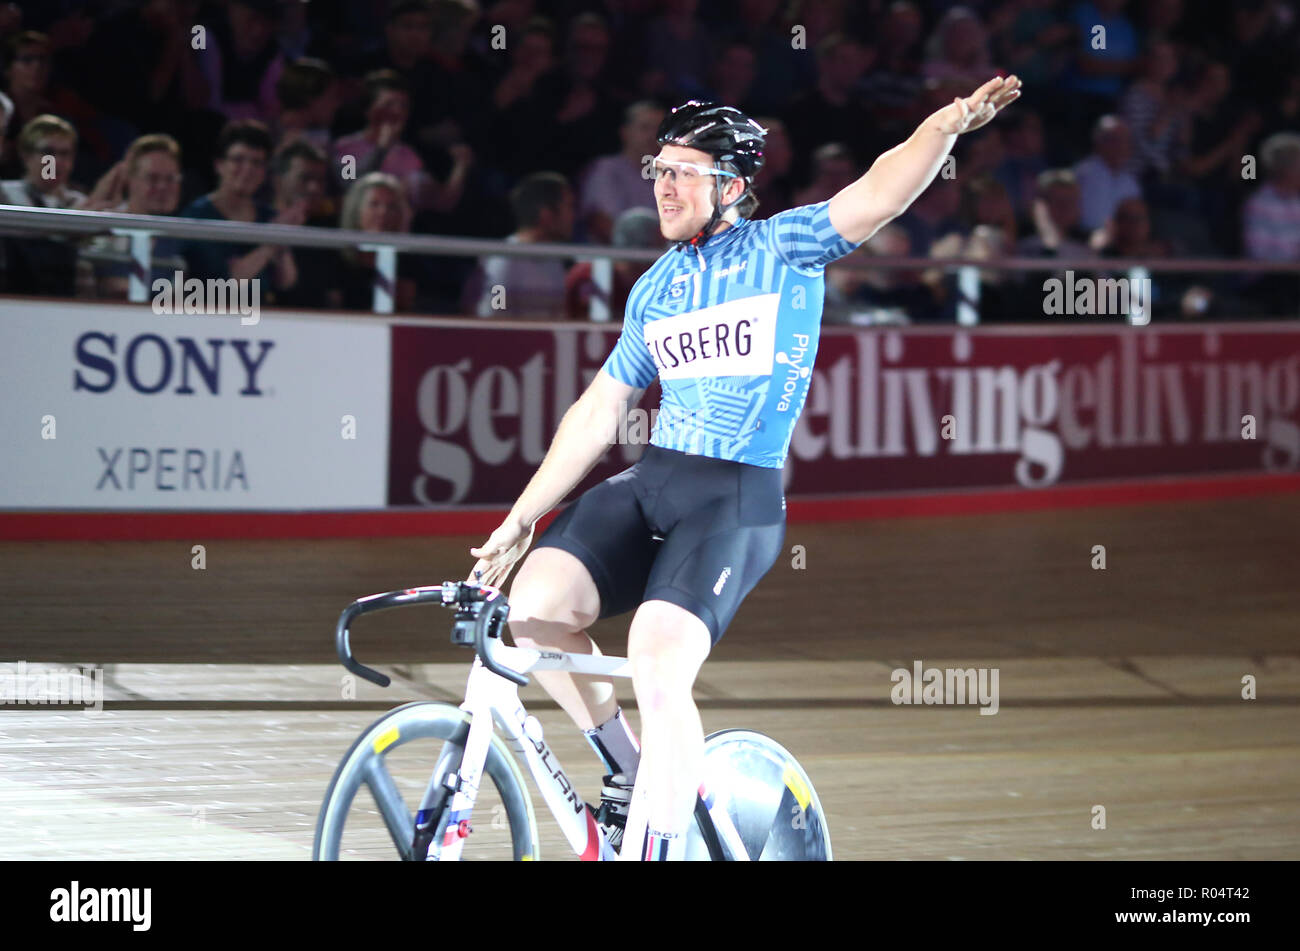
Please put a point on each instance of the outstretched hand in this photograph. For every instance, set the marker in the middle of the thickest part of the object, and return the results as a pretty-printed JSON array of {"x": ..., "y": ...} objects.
[
  {"x": 500, "y": 552},
  {"x": 979, "y": 108}
]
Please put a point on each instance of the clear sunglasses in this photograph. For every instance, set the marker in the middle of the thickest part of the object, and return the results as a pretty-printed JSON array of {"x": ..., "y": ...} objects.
[{"x": 687, "y": 173}]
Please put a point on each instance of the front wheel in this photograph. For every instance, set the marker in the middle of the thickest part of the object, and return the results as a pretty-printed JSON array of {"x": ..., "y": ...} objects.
[{"x": 504, "y": 825}]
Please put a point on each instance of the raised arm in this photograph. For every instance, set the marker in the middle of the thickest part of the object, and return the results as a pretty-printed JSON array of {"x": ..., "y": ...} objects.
[
  {"x": 898, "y": 176},
  {"x": 584, "y": 436}
]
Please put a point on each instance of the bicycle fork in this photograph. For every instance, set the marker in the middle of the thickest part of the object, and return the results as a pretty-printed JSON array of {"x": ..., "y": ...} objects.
[
  {"x": 459, "y": 781},
  {"x": 486, "y": 697}
]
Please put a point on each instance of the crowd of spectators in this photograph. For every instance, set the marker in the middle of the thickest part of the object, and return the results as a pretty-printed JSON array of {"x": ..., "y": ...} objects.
[{"x": 1160, "y": 128}]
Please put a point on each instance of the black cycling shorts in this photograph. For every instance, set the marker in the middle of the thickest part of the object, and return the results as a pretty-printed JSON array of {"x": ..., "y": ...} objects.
[{"x": 694, "y": 531}]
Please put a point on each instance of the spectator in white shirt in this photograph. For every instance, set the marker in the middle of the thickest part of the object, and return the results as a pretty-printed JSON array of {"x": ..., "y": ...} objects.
[
  {"x": 39, "y": 263},
  {"x": 48, "y": 146},
  {"x": 1271, "y": 222},
  {"x": 1271, "y": 218},
  {"x": 1104, "y": 176}
]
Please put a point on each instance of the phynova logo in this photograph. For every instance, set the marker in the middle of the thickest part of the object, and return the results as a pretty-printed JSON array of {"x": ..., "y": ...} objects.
[
  {"x": 211, "y": 297},
  {"x": 946, "y": 685},
  {"x": 76, "y": 904},
  {"x": 39, "y": 685},
  {"x": 795, "y": 370}
]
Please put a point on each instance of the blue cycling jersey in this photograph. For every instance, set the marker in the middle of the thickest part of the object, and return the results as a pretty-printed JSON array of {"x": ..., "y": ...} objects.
[{"x": 730, "y": 327}]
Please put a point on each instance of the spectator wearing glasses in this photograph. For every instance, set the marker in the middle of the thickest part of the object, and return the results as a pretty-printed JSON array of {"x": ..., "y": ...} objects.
[
  {"x": 146, "y": 182},
  {"x": 32, "y": 264},
  {"x": 242, "y": 153},
  {"x": 47, "y": 147},
  {"x": 27, "y": 80}
]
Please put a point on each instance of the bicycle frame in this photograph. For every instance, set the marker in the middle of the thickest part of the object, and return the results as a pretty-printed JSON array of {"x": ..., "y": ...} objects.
[{"x": 493, "y": 699}]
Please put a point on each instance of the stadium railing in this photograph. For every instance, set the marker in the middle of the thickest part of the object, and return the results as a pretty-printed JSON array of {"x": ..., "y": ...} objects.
[{"x": 387, "y": 245}]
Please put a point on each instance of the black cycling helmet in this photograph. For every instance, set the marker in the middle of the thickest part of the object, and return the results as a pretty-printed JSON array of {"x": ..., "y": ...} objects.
[{"x": 724, "y": 132}]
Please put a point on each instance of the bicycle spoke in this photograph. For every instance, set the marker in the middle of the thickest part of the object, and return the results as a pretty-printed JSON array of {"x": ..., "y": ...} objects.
[
  {"x": 423, "y": 733},
  {"x": 398, "y": 819}
]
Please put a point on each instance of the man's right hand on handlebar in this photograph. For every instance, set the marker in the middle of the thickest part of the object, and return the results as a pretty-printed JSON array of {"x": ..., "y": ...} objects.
[{"x": 499, "y": 553}]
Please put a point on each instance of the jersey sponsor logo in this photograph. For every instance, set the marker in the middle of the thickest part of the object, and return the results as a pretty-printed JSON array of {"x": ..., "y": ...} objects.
[
  {"x": 676, "y": 287},
  {"x": 795, "y": 370},
  {"x": 722, "y": 579},
  {"x": 736, "y": 338},
  {"x": 734, "y": 269}
]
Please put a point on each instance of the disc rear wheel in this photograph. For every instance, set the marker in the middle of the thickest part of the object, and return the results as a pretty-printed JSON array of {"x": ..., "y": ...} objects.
[{"x": 768, "y": 797}]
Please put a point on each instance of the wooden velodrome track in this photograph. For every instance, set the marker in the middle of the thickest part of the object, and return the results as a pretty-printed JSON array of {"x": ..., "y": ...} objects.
[{"x": 1121, "y": 687}]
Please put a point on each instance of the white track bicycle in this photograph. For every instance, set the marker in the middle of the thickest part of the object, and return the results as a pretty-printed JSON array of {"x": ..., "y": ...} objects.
[{"x": 755, "y": 801}]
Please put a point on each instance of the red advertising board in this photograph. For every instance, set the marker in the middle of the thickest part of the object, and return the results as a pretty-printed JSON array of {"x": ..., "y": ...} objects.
[{"x": 474, "y": 409}]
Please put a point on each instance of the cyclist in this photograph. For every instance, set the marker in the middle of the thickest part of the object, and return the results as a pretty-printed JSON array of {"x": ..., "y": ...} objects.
[{"x": 728, "y": 320}]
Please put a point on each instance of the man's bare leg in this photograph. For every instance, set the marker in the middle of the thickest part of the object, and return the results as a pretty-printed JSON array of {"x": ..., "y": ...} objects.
[
  {"x": 667, "y": 644},
  {"x": 552, "y": 603}
]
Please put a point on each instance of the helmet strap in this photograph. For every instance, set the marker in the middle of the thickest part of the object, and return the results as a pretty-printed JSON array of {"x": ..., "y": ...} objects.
[{"x": 720, "y": 214}]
